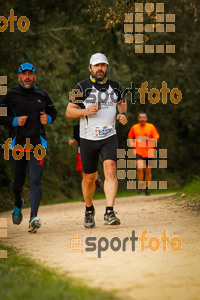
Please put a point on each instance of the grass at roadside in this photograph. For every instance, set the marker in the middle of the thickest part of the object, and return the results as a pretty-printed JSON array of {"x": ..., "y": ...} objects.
[
  {"x": 21, "y": 278},
  {"x": 191, "y": 192},
  {"x": 193, "y": 188}
]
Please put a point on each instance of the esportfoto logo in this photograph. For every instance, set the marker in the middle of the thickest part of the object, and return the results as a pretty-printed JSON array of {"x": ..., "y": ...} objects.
[
  {"x": 126, "y": 164},
  {"x": 3, "y": 91},
  {"x": 116, "y": 244},
  {"x": 23, "y": 23},
  {"x": 153, "y": 95},
  {"x": 3, "y": 234},
  {"x": 18, "y": 151},
  {"x": 137, "y": 33}
]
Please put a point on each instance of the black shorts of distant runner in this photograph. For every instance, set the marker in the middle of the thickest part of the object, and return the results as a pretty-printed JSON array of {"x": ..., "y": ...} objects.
[{"x": 147, "y": 159}]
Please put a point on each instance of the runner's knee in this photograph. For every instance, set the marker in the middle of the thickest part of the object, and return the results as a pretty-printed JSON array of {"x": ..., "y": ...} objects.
[
  {"x": 35, "y": 181},
  {"x": 110, "y": 170},
  {"x": 89, "y": 179},
  {"x": 17, "y": 188}
]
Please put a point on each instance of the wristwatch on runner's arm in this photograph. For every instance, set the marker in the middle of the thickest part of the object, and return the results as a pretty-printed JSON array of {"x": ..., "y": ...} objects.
[{"x": 123, "y": 113}]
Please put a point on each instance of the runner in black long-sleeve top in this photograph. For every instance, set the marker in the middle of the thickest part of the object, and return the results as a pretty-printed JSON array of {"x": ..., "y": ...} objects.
[{"x": 28, "y": 110}]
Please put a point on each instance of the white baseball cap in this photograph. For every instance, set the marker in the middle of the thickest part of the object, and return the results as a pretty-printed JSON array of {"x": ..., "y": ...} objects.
[{"x": 98, "y": 58}]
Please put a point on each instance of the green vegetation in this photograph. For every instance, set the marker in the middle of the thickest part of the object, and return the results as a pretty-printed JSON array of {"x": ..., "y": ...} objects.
[
  {"x": 22, "y": 278},
  {"x": 193, "y": 188}
]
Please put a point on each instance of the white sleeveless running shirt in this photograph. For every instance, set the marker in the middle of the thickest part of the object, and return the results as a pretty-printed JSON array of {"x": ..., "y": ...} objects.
[{"x": 101, "y": 125}]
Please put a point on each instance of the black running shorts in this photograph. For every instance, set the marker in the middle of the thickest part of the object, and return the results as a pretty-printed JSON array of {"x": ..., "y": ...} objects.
[
  {"x": 138, "y": 157},
  {"x": 90, "y": 151}
]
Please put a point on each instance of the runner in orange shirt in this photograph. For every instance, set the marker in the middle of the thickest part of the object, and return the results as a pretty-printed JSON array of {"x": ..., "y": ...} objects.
[{"x": 145, "y": 135}]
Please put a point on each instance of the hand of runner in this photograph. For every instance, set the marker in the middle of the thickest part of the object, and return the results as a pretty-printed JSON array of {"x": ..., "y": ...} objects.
[
  {"x": 131, "y": 143},
  {"x": 91, "y": 110},
  {"x": 22, "y": 120},
  {"x": 122, "y": 119},
  {"x": 72, "y": 142},
  {"x": 43, "y": 118}
]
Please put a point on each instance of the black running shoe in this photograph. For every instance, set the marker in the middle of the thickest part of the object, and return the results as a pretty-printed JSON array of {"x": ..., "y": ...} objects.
[
  {"x": 89, "y": 219},
  {"x": 147, "y": 192},
  {"x": 139, "y": 191},
  {"x": 17, "y": 214},
  {"x": 110, "y": 218}
]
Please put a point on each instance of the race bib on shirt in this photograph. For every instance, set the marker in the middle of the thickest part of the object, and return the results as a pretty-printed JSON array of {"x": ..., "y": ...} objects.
[
  {"x": 102, "y": 130},
  {"x": 142, "y": 141}
]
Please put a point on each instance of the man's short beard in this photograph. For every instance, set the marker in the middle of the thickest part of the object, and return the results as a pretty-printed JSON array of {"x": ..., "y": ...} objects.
[
  {"x": 30, "y": 86},
  {"x": 96, "y": 77},
  {"x": 99, "y": 79}
]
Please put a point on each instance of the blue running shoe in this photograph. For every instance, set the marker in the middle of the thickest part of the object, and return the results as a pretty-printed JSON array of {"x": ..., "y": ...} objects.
[
  {"x": 34, "y": 224},
  {"x": 17, "y": 214}
]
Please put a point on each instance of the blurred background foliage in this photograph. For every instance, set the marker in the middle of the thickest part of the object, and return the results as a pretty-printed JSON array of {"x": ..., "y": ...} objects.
[{"x": 62, "y": 37}]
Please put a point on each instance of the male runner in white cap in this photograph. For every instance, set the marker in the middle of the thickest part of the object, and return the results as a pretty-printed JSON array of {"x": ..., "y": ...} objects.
[{"x": 96, "y": 108}]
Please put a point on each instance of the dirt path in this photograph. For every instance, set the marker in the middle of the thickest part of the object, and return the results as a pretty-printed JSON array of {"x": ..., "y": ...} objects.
[{"x": 132, "y": 275}]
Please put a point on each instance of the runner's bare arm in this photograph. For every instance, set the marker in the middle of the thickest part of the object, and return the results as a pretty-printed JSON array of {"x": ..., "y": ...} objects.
[
  {"x": 131, "y": 143},
  {"x": 131, "y": 136},
  {"x": 122, "y": 108},
  {"x": 73, "y": 111}
]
